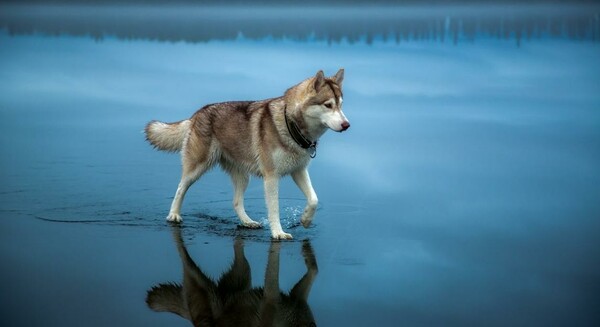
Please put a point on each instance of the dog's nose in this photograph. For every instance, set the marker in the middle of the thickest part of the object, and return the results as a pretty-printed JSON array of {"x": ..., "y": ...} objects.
[{"x": 345, "y": 125}]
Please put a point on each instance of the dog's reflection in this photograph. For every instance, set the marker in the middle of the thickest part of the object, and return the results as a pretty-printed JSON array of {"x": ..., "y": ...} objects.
[{"x": 231, "y": 301}]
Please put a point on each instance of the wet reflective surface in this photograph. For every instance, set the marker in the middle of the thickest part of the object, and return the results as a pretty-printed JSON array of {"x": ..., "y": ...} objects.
[
  {"x": 231, "y": 300},
  {"x": 465, "y": 193}
]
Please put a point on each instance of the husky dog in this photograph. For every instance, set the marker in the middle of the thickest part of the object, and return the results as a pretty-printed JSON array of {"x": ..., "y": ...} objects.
[
  {"x": 232, "y": 301},
  {"x": 268, "y": 138}
]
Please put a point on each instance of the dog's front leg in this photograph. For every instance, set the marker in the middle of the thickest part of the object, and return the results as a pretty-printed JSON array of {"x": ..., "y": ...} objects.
[
  {"x": 302, "y": 179},
  {"x": 302, "y": 288},
  {"x": 272, "y": 199},
  {"x": 271, "y": 293}
]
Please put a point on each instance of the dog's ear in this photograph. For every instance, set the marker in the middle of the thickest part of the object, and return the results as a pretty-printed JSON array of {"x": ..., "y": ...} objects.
[
  {"x": 319, "y": 80},
  {"x": 339, "y": 77}
]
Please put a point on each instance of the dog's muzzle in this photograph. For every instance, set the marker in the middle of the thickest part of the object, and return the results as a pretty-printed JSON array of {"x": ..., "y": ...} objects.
[{"x": 345, "y": 126}]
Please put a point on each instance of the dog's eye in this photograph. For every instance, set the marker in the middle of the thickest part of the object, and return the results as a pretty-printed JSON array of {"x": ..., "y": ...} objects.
[{"x": 328, "y": 105}]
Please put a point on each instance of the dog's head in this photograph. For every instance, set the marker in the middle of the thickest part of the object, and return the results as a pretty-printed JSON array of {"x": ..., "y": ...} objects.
[{"x": 325, "y": 99}]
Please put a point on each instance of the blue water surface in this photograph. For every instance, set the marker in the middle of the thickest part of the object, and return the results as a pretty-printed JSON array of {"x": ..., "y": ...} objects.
[{"x": 466, "y": 192}]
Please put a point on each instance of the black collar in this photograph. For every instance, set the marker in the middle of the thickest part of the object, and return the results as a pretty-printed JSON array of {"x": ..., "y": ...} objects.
[{"x": 296, "y": 134}]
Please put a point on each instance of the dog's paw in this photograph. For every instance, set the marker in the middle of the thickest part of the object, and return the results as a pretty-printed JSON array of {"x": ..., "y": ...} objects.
[
  {"x": 252, "y": 224},
  {"x": 238, "y": 244},
  {"x": 305, "y": 222},
  {"x": 174, "y": 218},
  {"x": 281, "y": 236}
]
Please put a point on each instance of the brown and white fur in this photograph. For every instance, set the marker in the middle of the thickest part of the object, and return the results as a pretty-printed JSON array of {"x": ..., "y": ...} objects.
[
  {"x": 231, "y": 300},
  {"x": 252, "y": 137}
]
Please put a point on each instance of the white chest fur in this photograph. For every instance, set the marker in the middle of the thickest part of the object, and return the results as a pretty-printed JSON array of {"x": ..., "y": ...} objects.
[{"x": 286, "y": 162}]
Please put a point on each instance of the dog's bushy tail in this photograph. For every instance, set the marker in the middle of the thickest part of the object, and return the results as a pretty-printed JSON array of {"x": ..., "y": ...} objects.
[
  {"x": 167, "y": 136},
  {"x": 167, "y": 298}
]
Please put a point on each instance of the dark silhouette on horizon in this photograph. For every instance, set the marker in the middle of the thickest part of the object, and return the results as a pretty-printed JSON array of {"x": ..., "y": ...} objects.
[
  {"x": 296, "y": 2},
  {"x": 344, "y": 24}
]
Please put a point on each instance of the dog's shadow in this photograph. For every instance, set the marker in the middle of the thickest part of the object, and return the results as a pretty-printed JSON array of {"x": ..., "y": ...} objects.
[{"x": 232, "y": 301}]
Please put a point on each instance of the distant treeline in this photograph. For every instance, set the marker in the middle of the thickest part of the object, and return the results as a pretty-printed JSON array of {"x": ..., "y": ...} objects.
[
  {"x": 397, "y": 24},
  {"x": 296, "y": 2}
]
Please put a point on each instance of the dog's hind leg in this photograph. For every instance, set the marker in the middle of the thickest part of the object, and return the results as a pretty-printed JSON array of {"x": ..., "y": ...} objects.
[
  {"x": 239, "y": 277},
  {"x": 187, "y": 179},
  {"x": 302, "y": 179},
  {"x": 240, "y": 183},
  {"x": 192, "y": 170},
  {"x": 199, "y": 291}
]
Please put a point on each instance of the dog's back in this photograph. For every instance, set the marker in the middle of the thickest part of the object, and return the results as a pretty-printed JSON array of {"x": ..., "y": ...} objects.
[{"x": 234, "y": 134}]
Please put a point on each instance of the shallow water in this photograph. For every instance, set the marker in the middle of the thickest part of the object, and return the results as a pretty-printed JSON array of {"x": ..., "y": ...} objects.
[{"x": 465, "y": 193}]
